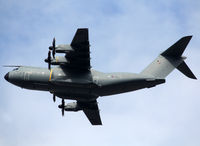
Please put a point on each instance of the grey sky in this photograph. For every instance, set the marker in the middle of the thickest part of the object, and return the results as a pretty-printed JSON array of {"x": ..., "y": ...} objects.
[{"x": 121, "y": 33}]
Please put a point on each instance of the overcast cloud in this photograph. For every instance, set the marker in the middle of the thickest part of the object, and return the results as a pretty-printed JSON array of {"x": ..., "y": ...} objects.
[{"x": 125, "y": 36}]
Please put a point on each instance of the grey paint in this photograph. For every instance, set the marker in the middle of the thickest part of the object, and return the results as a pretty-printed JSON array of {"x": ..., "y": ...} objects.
[{"x": 162, "y": 66}]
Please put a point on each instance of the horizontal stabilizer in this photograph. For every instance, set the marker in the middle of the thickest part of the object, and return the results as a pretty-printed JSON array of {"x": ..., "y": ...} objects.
[
  {"x": 177, "y": 49},
  {"x": 186, "y": 70}
]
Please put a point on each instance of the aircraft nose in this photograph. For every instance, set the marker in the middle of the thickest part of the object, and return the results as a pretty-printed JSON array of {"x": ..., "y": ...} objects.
[{"x": 6, "y": 77}]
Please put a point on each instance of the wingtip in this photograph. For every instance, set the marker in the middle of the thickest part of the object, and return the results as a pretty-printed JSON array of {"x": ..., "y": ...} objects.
[
  {"x": 82, "y": 28},
  {"x": 189, "y": 37},
  {"x": 195, "y": 78}
]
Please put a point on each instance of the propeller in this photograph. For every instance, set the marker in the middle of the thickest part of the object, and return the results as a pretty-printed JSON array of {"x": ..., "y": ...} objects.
[
  {"x": 53, "y": 47},
  {"x": 49, "y": 60},
  {"x": 62, "y": 106}
]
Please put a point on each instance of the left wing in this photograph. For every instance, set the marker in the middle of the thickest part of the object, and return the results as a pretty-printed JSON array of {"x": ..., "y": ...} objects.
[{"x": 91, "y": 110}]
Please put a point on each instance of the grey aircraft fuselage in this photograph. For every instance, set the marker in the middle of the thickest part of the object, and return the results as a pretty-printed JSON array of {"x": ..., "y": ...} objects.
[{"x": 83, "y": 87}]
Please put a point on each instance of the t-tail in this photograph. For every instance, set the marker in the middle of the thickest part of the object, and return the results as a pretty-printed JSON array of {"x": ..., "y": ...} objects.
[{"x": 170, "y": 59}]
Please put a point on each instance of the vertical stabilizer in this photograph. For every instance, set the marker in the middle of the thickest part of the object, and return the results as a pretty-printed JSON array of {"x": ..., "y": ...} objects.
[{"x": 177, "y": 49}]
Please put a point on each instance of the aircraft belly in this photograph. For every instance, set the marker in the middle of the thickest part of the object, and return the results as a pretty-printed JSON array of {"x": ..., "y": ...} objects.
[
  {"x": 119, "y": 88},
  {"x": 127, "y": 86},
  {"x": 78, "y": 97},
  {"x": 111, "y": 90},
  {"x": 35, "y": 86},
  {"x": 73, "y": 92},
  {"x": 70, "y": 90}
]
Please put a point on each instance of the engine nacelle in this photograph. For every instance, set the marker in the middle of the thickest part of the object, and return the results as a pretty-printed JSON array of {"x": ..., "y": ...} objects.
[
  {"x": 58, "y": 60},
  {"x": 64, "y": 48},
  {"x": 72, "y": 107}
]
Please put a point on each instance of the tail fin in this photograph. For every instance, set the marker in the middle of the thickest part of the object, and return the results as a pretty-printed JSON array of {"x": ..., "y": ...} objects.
[{"x": 170, "y": 59}]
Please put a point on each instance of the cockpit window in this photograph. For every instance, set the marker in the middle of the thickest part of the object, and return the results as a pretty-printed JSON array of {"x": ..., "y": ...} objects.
[{"x": 15, "y": 69}]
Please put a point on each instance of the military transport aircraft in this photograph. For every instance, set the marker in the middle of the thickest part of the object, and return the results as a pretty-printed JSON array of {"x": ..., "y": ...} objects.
[{"x": 74, "y": 79}]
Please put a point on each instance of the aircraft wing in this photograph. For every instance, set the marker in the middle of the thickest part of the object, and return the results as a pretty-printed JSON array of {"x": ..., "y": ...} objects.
[
  {"x": 79, "y": 58},
  {"x": 92, "y": 113}
]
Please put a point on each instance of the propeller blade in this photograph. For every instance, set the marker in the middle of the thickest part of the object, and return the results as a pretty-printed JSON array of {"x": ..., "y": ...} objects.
[
  {"x": 54, "y": 42},
  {"x": 54, "y": 97},
  {"x": 54, "y": 47},
  {"x": 63, "y": 107},
  {"x": 63, "y": 111},
  {"x": 49, "y": 60}
]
